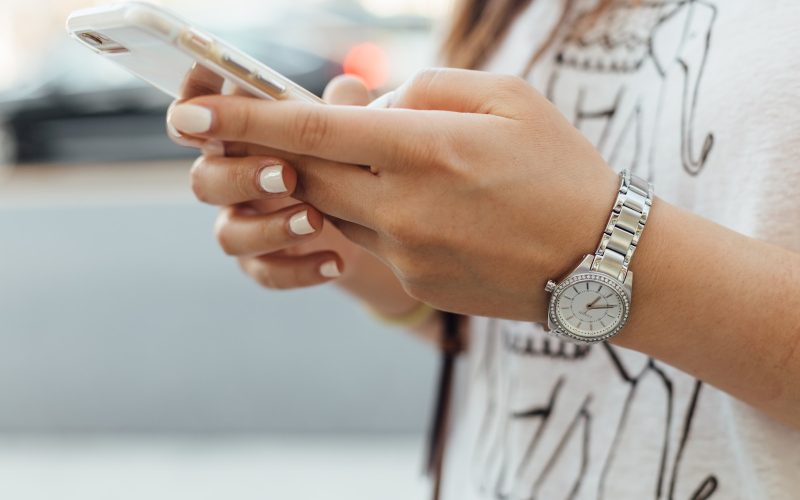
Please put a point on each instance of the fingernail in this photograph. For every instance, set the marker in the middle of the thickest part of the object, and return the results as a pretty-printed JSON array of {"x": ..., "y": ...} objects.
[
  {"x": 173, "y": 131},
  {"x": 300, "y": 225},
  {"x": 190, "y": 118},
  {"x": 271, "y": 179},
  {"x": 330, "y": 269},
  {"x": 214, "y": 148}
]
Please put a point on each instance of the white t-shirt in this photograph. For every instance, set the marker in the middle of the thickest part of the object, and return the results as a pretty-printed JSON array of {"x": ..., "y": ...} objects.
[{"x": 703, "y": 98}]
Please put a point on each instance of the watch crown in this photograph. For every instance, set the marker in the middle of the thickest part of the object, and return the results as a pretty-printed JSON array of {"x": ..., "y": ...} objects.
[{"x": 550, "y": 286}]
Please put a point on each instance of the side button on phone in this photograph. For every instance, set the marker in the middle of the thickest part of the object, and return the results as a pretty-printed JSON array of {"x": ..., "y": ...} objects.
[{"x": 273, "y": 87}]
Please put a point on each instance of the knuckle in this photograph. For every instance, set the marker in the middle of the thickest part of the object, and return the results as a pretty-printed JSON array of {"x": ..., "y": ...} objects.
[
  {"x": 421, "y": 81},
  {"x": 243, "y": 122},
  {"x": 268, "y": 276},
  {"x": 510, "y": 85},
  {"x": 241, "y": 179},
  {"x": 224, "y": 238},
  {"x": 265, "y": 277},
  {"x": 418, "y": 86},
  {"x": 297, "y": 277},
  {"x": 278, "y": 282},
  {"x": 272, "y": 232},
  {"x": 311, "y": 129},
  {"x": 197, "y": 180},
  {"x": 225, "y": 243},
  {"x": 281, "y": 286}
]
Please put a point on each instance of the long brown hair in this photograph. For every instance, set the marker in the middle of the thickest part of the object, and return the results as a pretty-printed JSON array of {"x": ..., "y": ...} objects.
[{"x": 479, "y": 25}]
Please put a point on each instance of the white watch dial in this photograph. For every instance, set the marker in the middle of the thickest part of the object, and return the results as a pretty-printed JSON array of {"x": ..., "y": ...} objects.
[{"x": 590, "y": 307}]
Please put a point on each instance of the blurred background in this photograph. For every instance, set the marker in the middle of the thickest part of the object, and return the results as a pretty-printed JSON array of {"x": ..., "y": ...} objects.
[{"x": 136, "y": 361}]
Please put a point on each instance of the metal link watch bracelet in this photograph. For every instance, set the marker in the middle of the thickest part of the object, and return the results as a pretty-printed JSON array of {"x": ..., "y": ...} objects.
[
  {"x": 625, "y": 226},
  {"x": 592, "y": 303}
]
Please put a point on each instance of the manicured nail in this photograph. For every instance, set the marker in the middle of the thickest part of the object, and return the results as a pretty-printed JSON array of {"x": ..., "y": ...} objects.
[
  {"x": 173, "y": 131},
  {"x": 330, "y": 269},
  {"x": 214, "y": 148},
  {"x": 271, "y": 179},
  {"x": 300, "y": 225},
  {"x": 190, "y": 118}
]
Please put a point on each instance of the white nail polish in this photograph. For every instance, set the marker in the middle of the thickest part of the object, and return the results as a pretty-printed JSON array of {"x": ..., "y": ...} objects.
[
  {"x": 190, "y": 118},
  {"x": 173, "y": 131},
  {"x": 300, "y": 225},
  {"x": 271, "y": 179},
  {"x": 214, "y": 148},
  {"x": 330, "y": 269}
]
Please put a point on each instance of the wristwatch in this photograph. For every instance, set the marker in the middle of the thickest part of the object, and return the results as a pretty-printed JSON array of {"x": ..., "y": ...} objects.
[{"x": 592, "y": 303}]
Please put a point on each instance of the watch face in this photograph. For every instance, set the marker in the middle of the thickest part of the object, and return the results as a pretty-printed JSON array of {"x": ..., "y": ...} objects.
[{"x": 589, "y": 307}]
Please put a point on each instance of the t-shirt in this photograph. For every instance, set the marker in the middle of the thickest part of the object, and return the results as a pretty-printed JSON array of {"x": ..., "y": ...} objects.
[{"x": 701, "y": 97}]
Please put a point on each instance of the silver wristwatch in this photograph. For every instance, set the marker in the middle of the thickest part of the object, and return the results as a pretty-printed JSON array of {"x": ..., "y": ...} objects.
[{"x": 593, "y": 302}]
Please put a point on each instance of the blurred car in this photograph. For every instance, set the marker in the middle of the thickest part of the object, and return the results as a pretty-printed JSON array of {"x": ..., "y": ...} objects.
[{"x": 82, "y": 108}]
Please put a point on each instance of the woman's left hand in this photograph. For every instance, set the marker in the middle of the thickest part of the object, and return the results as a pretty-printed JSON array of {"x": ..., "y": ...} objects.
[{"x": 477, "y": 192}]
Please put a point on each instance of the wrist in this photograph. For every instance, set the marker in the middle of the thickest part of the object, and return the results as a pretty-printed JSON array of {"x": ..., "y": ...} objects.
[
  {"x": 582, "y": 221},
  {"x": 664, "y": 226},
  {"x": 592, "y": 302}
]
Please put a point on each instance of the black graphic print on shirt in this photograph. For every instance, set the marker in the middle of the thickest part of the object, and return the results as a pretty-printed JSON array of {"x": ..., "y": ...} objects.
[
  {"x": 612, "y": 81},
  {"x": 639, "y": 49},
  {"x": 542, "y": 444}
]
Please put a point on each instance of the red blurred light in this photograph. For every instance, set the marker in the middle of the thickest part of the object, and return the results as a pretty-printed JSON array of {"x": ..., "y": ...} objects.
[{"x": 368, "y": 62}]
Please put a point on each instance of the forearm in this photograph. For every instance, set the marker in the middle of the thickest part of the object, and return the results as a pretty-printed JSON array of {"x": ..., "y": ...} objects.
[{"x": 721, "y": 306}]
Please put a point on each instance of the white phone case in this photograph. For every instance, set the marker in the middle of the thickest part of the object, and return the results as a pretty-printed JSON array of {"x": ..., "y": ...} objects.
[{"x": 162, "y": 49}]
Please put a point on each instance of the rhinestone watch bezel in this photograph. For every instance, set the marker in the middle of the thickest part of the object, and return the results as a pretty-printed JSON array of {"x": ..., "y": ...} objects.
[{"x": 591, "y": 276}]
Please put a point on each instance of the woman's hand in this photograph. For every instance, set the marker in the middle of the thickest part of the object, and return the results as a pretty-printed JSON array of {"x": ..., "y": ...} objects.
[
  {"x": 278, "y": 241},
  {"x": 477, "y": 192}
]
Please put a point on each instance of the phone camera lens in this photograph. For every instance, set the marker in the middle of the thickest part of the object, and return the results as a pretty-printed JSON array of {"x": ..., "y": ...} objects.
[{"x": 91, "y": 38}]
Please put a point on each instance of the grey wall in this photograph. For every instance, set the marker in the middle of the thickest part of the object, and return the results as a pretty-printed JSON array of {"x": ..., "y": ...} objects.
[{"x": 130, "y": 318}]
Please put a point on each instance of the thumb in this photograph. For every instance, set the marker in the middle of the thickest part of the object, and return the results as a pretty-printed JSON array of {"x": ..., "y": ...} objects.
[
  {"x": 347, "y": 89},
  {"x": 460, "y": 90}
]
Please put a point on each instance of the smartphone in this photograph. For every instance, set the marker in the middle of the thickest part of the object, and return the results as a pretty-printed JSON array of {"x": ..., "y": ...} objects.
[{"x": 162, "y": 49}]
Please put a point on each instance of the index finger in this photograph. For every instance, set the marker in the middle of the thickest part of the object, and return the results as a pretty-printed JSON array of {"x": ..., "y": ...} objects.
[{"x": 356, "y": 135}]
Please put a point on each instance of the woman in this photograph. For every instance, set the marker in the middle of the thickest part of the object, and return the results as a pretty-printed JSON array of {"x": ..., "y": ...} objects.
[{"x": 481, "y": 190}]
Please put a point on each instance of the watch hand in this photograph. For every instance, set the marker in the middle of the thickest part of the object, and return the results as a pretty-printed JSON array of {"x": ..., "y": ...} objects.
[
  {"x": 593, "y": 302},
  {"x": 604, "y": 307}
]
